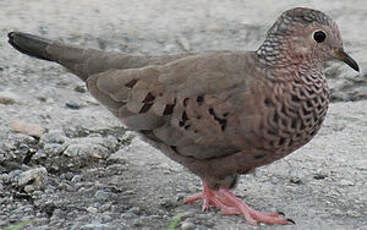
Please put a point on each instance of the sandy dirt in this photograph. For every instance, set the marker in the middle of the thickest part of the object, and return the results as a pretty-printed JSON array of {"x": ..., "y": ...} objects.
[{"x": 86, "y": 171}]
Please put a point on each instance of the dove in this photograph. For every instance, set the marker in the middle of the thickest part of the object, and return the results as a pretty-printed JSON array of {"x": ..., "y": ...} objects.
[{"x": 219, "y": 113}]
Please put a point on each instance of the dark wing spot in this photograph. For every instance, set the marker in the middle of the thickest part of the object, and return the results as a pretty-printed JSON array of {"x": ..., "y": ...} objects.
[
  {"x": 184, "y": 118},
  {"x": 131, "y": 83},
  {"x": 185, "y": 101},
  {"x": 148, "y": 102},
  {"x": 187, "y": 126},
  {"x": 169, "y": 108},
  {"x": 200, "y": 99},
  {"x": 149, "y": 98},
  {"x": 222, "y": 122},
  {"x": 211, "y": 111},
  {"x": 145, "y": 108}
]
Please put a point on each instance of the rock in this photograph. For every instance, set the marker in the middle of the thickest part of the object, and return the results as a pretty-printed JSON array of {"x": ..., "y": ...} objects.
[
  {"x": 184, "y": 43},
  {"x": 36, "y": 177},
  {"x": 295, "y": 176},
  {"x": 26, "y": 128},
  {"x": 187, "y": 226},
  {"x": 73, "y": 105},
  {"x": 77, "y": 179},
  {"x": 102, "y": 195},
  {"x": 96, "y": 226},
  {"x": 86, "y": 151},
  {"x": 6, "y": 100},
  {"x": 344, "y": 182},
  {"x": 80, "y": 89},
  {"x": 361, "y": 164},
  {"x": 169, "y": 48},
  {"x": 54, "y": 137},
  {"x": 92, "y": 210},
  {"x": 215, "y": 28}
]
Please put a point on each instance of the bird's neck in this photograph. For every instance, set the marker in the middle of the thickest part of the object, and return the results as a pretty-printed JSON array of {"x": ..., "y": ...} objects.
[{"x": 276, "y": 52}]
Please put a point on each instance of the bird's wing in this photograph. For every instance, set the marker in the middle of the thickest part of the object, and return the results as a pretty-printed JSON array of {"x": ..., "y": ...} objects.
[{"x": 191, "y": 104}]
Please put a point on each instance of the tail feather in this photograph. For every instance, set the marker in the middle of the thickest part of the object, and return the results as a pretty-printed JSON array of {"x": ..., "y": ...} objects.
[
  {"x": 83, "y": 62},
  {"x": 30, "y": 44}
]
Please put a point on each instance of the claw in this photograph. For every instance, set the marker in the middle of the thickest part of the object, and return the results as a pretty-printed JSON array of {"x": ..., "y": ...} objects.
[{"x": 229, "y": 204}]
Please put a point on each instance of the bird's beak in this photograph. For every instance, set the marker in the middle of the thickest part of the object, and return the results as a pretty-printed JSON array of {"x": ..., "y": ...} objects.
[{"x": 341, "y": 55}]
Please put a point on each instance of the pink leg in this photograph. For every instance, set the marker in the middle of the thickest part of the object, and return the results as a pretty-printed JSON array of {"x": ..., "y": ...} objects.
[{"x": 229, "y": 204}]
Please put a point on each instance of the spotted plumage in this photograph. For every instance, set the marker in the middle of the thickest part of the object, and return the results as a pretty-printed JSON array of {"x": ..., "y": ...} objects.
[{"x": 220, "y": 113}]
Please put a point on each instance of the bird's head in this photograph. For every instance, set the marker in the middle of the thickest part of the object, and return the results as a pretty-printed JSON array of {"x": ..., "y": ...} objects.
[{"x": 303, "y": 34}]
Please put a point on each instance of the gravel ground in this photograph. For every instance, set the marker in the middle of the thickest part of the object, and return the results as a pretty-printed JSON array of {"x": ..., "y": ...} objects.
[{"x": 78, "y": 168}]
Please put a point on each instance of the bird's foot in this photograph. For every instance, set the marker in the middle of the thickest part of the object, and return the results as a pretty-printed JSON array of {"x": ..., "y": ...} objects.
[{"x": 229, "y": 204}]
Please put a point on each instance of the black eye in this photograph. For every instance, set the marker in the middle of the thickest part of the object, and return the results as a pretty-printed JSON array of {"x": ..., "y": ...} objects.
[{"x": 319, "y": 36}]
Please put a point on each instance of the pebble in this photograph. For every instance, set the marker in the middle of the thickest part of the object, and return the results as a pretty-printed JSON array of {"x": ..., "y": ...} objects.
[
  {"x": 295, "y": 176},
  {"x": 73, "y": 105},
  {"x": 215, "y": 28},
  {"x": 26, "y": 128},
  {"x": 86, "y": 151},
  {"x": 92, "y": 210},
  {"x": 184, "y": 43},
  {"x": 54, "y": 137},
  {"x": 80, "y": 89},
  {"x": 345, "y": 182},
  {"x": 6, "y": 100},
  {"x": 187, "y": 226},
  {"x": 37, "y": 177},
  {"x": 96, "y": 226},
  {"x": 77, "y": 179},
  {"x": 104, "y": 195},
  {"x": 169, "y": 48}
]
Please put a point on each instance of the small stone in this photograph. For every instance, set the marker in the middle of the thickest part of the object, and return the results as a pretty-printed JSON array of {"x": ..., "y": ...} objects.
[
  {"x": 214, "y": 28},
  {"x": 37, "y": 177},
  {"x": 361, "y": 164},
  {"x": 95, "y": 226},
  {"x": 184, "y": 43},
  {"x": 92, "y": 210},
  {"x": 6, "y": 100},
  {"x": 77, "y": 179},
  {"x": 29, "y": 188},
  {"x": 54, "y": 137},
  {"x": 26, "y": 128},
  {"x": 187, "y": 226},
  {"x": 135, "y": 210},
  {"x": 73, "y": 105},
  {"x": 80, "y": 89},
  {"x": 169, "y": 48},
  {"x": 295, "y": 176},
  {"x": 345, "y": 182},
  {"x": 103, "y": 195}
]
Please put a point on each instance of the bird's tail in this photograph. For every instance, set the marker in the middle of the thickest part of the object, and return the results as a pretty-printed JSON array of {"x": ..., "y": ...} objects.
[
  {"x": 83, "y": 62},
  {"x": 80, "y": 61},
  {"x": 31, "y": 45}
]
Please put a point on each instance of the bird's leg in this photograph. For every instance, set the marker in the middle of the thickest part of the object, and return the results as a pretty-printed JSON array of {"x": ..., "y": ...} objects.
[{"x": 229, "y": 204}]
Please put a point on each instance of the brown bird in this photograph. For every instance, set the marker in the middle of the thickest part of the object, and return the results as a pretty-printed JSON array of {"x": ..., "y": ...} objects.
[{"x": 221, "y": 113}]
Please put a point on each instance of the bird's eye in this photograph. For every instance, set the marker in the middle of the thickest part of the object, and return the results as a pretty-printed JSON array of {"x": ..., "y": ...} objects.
[{"x": 319, "y": 36}]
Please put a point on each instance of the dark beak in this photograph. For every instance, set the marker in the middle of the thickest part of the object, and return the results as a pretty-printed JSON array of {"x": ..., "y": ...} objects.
[{"x": 341, "y": 55}]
